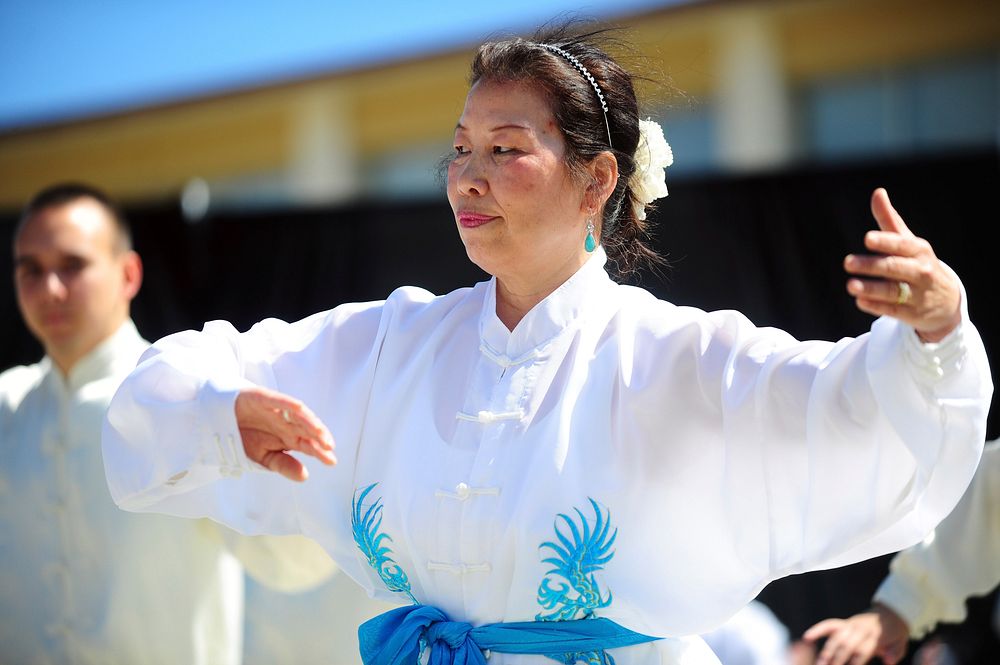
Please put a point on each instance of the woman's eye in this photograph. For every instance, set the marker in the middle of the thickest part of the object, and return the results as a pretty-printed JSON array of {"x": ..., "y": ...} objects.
[
  {"x": 461, "y": 150},
  {"x": 501, "y": 150}
]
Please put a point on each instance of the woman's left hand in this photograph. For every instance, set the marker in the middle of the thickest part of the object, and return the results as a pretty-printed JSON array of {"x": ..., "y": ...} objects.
[{"x": 910, "y": 283}]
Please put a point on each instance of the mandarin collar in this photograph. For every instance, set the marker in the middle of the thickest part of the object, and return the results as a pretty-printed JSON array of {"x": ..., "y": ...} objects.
[
  {"x": 112, "y": 356},
  {"x": 559, "y": 310}
]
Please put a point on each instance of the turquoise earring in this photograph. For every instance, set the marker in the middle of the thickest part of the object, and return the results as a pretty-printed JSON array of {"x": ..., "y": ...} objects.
[{"x": 590, "y": 244}]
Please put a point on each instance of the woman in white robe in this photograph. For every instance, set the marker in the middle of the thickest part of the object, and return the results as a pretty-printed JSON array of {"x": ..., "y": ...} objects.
[{"x": 551, "y": 446}]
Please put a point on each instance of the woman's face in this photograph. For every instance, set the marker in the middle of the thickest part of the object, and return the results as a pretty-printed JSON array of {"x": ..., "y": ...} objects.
[{"x": 519, "y": 211}]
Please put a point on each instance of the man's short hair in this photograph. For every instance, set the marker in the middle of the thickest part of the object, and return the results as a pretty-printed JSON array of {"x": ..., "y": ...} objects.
[{"x": 68, "y": 192}]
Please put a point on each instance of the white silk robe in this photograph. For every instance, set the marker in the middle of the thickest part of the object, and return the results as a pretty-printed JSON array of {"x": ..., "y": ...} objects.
[{"x": 615, "y": 455}]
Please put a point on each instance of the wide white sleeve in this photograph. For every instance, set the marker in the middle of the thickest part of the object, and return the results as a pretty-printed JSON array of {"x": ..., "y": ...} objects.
[
  {"x": 894, "y": 431},
  {"x": 171, "y": 442},
  {"x": 788, "y": 455},
  {"x": 930, "y": 582},
  {"x": 888, "y": 440}
]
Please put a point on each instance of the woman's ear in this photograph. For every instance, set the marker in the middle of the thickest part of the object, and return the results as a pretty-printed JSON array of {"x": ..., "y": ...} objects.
[{"x": 603, "y": 180}]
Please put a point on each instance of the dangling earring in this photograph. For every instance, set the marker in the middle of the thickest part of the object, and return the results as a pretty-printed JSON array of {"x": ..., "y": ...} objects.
[{"x": 590, "y": 244}]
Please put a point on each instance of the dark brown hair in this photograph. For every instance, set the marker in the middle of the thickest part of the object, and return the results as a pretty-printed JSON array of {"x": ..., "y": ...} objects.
[
  {"x": 68, "y": 192},
  {"x": 578, "y": 114}
]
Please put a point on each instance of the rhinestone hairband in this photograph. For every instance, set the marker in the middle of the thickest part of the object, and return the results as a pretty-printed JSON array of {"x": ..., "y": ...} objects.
[{"x": 593, "y": 83}]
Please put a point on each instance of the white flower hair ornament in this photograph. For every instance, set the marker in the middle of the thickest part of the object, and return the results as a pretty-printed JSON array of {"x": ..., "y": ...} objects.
[{"x": 652, "y": 156}]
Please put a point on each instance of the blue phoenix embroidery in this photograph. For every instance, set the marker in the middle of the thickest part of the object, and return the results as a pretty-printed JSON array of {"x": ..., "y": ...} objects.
[
  {"x": 370, "y": 542},
  {"x": 581, "y": 551}
]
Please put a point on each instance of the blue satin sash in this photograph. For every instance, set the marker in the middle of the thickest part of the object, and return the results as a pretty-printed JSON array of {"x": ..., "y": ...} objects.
[{"x": 395, "y": 637}]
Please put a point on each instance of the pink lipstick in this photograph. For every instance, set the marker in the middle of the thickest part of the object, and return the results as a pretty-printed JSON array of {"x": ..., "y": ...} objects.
[{"x": 471, "y": 220}]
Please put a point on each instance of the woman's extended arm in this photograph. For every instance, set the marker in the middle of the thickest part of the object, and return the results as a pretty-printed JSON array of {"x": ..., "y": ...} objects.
[{"x": 191, "y": 429}]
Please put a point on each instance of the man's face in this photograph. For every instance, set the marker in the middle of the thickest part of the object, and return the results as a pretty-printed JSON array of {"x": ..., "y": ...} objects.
[{"x": 73, "y": 283}]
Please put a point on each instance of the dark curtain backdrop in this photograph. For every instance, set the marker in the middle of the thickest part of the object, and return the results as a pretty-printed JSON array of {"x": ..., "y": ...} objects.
[{"x": 768, "y": 245}]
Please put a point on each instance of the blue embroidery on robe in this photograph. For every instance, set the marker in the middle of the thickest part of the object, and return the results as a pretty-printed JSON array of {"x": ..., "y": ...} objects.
[
  {"x": 569, "y": 590},
  {"x": 370, "y": 542}
]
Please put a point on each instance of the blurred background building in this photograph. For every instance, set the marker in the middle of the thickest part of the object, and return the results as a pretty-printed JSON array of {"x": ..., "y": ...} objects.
[
  {"x": 278, "y": 161},
  {"x": 756, "y": 84}
]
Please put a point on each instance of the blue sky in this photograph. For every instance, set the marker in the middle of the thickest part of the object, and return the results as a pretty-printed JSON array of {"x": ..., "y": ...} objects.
[{"x": 64, "y": 59}]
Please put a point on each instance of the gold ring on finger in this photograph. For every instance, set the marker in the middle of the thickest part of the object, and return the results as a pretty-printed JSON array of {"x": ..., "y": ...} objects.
[
  {"x": 904, "y": 293},
  {"x": 287, "y": 416}
]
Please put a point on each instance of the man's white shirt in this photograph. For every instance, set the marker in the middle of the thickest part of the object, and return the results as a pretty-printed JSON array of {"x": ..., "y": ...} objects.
[{"x": 83, "y": 582}]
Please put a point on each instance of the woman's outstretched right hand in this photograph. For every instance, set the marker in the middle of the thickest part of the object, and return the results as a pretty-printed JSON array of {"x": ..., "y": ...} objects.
[{"x": 273, "y": 424}]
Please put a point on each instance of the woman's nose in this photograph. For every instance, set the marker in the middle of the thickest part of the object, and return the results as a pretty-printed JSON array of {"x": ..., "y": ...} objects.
[{"x": 471, "y": 180}]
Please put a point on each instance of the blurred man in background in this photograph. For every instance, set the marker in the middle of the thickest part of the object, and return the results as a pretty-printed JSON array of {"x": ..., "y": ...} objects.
[{"x": 80, "y": 580}]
